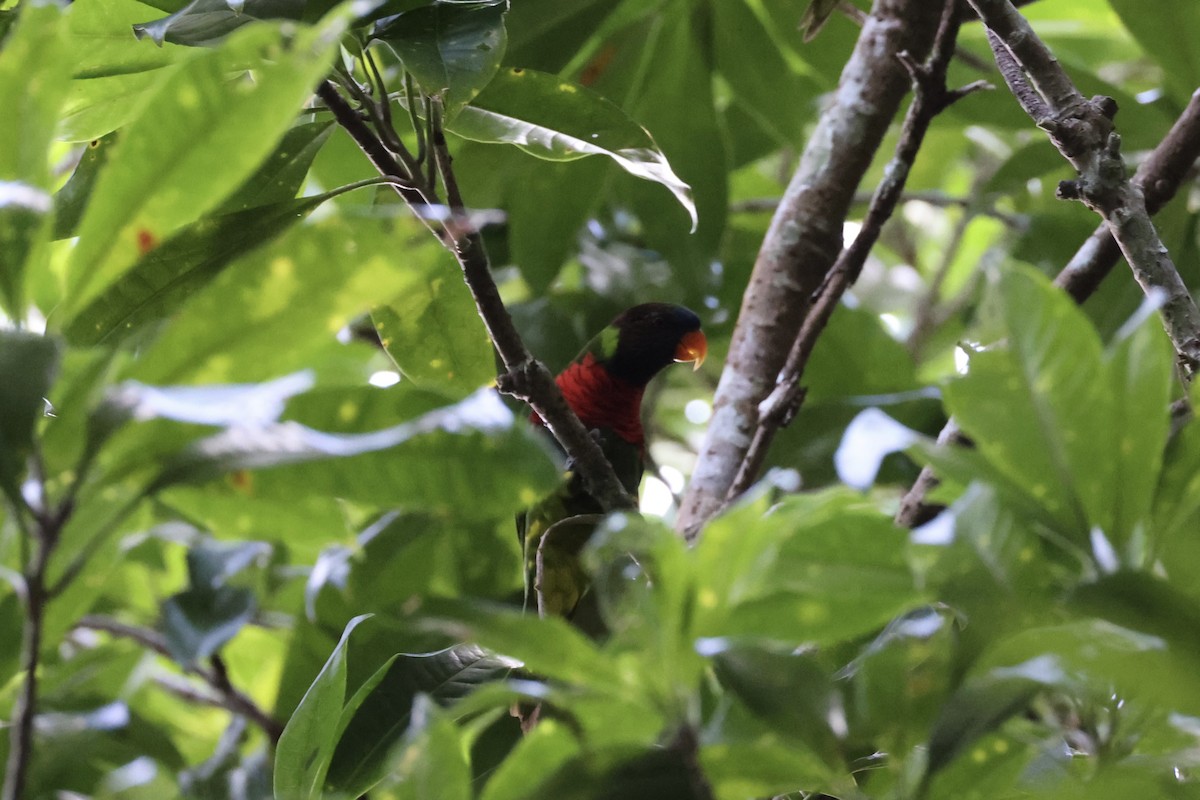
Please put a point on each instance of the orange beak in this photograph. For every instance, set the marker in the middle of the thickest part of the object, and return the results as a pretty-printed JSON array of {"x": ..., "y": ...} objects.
[{"x": 692, "y": 347}]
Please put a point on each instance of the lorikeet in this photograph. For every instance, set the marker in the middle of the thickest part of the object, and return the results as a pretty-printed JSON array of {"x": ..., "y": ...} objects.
[{"x": 603, "y": 386}]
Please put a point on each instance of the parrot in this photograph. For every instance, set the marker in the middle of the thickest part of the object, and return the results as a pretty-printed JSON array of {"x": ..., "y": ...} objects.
[{"x": 603, "y": 385}]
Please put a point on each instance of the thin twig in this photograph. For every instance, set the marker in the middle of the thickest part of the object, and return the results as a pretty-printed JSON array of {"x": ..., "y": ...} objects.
[
  {"x": 225, "y": 695},
  {"x": 21, "y": 736},
  {"x": 930, "y": 98},
  {"x": 411, "y": 97}
]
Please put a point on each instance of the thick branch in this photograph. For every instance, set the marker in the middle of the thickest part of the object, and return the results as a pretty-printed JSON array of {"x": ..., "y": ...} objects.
[
  {"x": 804, "y": 239},
  {"x": 525, "y": 377},
  {"x": 1160, "y": 177},
  {"x": 930, "y": 97},
  {"x": 1082, "y": 131},
  {"x": 224, "y": 694}
]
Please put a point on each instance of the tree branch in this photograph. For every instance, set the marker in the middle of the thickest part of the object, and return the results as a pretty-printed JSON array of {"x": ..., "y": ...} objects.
[
  {"x": 20, "y": 747},
  {"x": 1082, "y": 130},
  {"x": 525, "y": 378},
  {"x": 1160, "y": 177},
  {"x": 930, "y": 97},
  {"x": 804, "y": 239},
  {"x": 47, "y": 525},
  {"x": 225, "y": 695}
]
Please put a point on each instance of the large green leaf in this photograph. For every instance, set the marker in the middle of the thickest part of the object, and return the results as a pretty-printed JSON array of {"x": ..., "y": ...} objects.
[
  {"x": 547, "y": 646},
  {"x": 540, "y": 753},
  {"x": 815, "y": 569},
  {"x": 418, "y": 465},
  {"x": 1038, "y": 408},
  {"x": 1140, "y": 369},
  {"x": 433, "y": 762},
  {"x": 435, "y": 336},
  {"x": 452, "y": 47},
  {"x": 1167, "y": 36},
  {"x": 738, "y": 33},
  {"x": 677, "y": 65},
  {"x": 167, "y": 276},
  {"x": 34, "y": 68},
  {"x": 112, "y": 75},
  {"x": 985, "y": 703},
  {"x": 71, "y": 200},
  {"x": 282, "y": 174},
  {"x": 557, "y": 120},
  {"x": 28, "y": 365},
  {"x": 282, "y": 302},
  {"x": 199, "y": 621},
  {"x": 303, "y": 753},
  {"x": 203, "y": 22},
  {"x": 791, "y": 691},
  {"x": 162, "y": 174},
  {"x": 380, "y": 712}
]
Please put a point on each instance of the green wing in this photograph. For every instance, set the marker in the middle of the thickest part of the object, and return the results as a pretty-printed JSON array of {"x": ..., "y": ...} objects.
[{"x": 554, "y": 532}]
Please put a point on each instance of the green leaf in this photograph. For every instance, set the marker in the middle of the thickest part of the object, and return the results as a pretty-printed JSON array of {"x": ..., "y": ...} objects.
[
  {"x": 985, "y": 703},
  {"x": 1145, "y": 603},
  {"x": 770, "y": 767},
  {"x": 167, "y": 276},
  {"x": 560, "y": 121},
  {"x": 621, "y": 773},
  {"x": 283, "y": 173},
  {"x": 306, "y": 746},
  {"x": 434, "y": 762},
  {"x": 791, "y": 691},
  {"x": 203, "y": 22},
  {"x": 1137, "y": 666},
  {"x": 379, "y": 714},
  {"x": 1167, "y": 36},
  {"x": 71, "y": 200},
  {"x": 815, "y": 569},
  {"x": 200, "y": 621},
  {"x": 677, "y": 57},
  {"x": 112, "y": 75},
  {"x": 738, "y": 33},
  {"x": 452, "y": 47},
  {"x": 547, "y": 646},
  {"x": 300, "y": 290},
  {"x": 28, "y": 364},
  {"x": 539, "y": 753},
  {"x": 435, "y": 337},
  {"x": 1039, "y": 410},
  {"x": 547, "y": 208},
  {"x": 162, "y": 174},
  {"x": 417, "y": 465},
  {"x": 1141, "y": 368},
  {"x": 34, "y": 68},
  {"x": 212, "y": 564}
]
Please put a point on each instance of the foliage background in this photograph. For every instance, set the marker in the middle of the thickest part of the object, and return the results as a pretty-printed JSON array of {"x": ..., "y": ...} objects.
[{"x": 223, "y": 538}]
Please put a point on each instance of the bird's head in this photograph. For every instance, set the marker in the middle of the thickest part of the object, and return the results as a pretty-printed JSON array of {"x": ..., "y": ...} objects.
[{"x": 644, "y": 339}]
